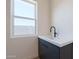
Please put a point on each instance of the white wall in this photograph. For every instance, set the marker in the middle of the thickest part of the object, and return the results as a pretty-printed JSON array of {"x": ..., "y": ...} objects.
[
  {"x": 62, "y": 16},
  {"x": 44, "y": 17},
  {"x": 22, "y": 48}
]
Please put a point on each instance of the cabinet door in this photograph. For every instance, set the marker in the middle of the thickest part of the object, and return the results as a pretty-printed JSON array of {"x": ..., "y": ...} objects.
[
  {"x": 48, "y": 50},
  {"x": 54, "y": 52},
  {"x": 43, "y": 51}
]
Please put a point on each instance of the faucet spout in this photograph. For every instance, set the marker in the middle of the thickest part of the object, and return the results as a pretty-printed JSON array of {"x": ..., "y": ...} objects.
[{"x": 55, "y": 33}]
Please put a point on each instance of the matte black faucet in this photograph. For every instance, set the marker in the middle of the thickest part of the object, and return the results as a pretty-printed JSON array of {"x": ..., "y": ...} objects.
[{"x": 55, "y": 33}]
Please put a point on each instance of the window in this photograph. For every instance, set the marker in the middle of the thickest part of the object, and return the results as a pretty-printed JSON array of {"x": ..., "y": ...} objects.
[{"x": 24, "y": 17}]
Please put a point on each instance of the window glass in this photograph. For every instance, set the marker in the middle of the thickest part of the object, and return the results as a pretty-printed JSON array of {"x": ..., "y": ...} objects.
[
  {"x": 23, "y": 22},
  {"x": 24, "y": 18},
  {"x": 24, "y": 26},
  {"x": 25, "y": 9}
]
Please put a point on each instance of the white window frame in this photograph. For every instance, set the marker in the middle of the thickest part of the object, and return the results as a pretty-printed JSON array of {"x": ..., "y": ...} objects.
[{"x": 12, "y": 21}]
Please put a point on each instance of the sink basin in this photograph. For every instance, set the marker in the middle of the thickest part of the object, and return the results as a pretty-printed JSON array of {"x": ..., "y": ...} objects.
[{"x": 59, "y": 41}]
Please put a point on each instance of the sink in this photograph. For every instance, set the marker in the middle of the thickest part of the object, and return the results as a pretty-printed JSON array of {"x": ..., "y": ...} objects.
[{"x": 59, "y": 41}]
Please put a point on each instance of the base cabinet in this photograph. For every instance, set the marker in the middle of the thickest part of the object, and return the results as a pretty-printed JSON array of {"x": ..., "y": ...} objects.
[{"x": 51, "y": 51}]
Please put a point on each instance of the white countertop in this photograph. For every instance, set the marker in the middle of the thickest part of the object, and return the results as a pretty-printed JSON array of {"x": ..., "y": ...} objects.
[{"x": 58, "y": 41}]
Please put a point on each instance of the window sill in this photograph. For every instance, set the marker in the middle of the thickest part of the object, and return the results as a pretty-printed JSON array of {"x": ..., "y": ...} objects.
[{"x": 24, "y": 36}]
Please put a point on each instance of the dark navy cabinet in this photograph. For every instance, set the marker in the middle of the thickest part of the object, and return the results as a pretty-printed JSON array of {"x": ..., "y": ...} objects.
[{"x": 51, "y": 51}]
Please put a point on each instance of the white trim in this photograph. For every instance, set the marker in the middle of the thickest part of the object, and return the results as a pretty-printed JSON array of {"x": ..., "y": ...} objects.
[
  {"x": 27, "y": 35},
  {"x": 24, "y": 17},
  {"x": 11, "y": 18},
  {"x": 30, "y": 1},
  {"x": 36, "y": 16}
]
